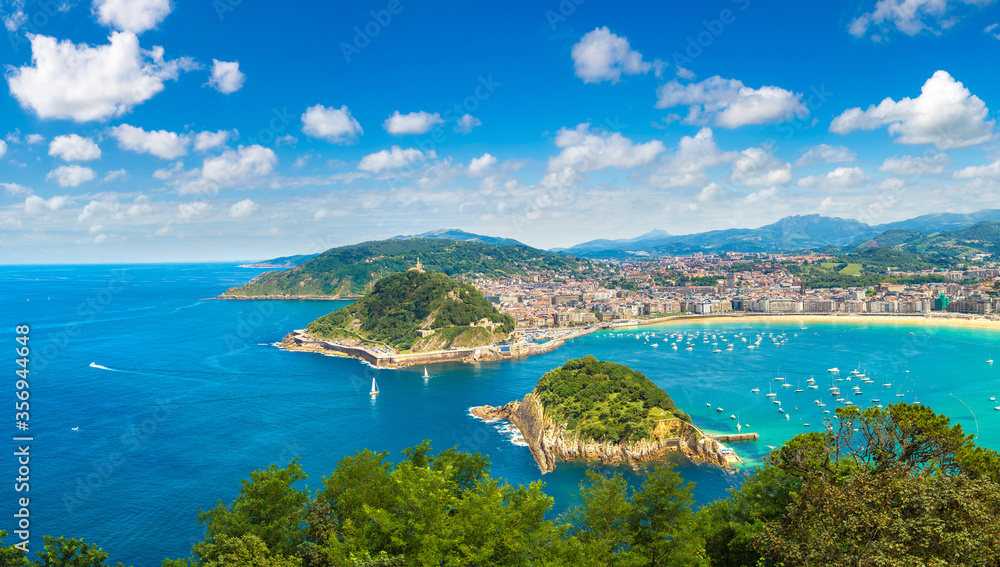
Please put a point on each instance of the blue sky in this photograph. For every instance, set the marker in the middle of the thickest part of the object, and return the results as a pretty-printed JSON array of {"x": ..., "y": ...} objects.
[{"x": 159, "y": 130}]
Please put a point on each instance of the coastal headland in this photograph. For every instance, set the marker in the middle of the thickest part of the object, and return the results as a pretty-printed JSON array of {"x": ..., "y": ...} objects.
[{"x": 602, "y": 411}]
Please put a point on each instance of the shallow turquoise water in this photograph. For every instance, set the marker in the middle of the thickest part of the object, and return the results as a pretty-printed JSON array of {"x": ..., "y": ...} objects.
[{"x": 192, "y": 396}]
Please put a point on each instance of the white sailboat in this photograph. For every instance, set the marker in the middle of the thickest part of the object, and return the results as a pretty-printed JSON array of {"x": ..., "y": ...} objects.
[
  {"x": 374, "y": 391},
  {"x": 426, "y": 375}
]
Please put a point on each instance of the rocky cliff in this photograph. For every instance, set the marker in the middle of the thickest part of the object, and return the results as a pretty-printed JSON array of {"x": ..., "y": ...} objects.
[{"x": 548, "y": 439}]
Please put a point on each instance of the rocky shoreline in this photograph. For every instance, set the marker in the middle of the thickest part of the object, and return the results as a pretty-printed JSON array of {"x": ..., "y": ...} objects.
[
  {"x": 289, "y": 297},
  {"x": 548, "y": 440}
]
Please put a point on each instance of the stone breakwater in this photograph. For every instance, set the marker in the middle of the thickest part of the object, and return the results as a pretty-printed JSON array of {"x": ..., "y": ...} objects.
[{"x": 549, "y": 440}]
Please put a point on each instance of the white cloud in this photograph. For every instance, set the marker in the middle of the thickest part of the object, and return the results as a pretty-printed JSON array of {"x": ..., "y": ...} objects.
[
  {"x": 134, "y": 16},
  {"x": 687, "y": 166},
  {"x": 226, "y": 76},
  {"x": 74, "y": 148},
  {"x": 35, "y": 205},
  {"x": 825, "y": 153},
  {"x": 412, "y": 123},
  {"x": 466, "y": 123},
  {"x": 160, "y": 143},
  {"x": 168, "y": 172},
  {"x": 394, "y": 158},
  {"x": 973, "y": 171},
  {"x": 911, "y": 17},
  {"x": 603, "y": 56},
  {"x": 762, "y": 195},
  {"x": 914, "y": 165},
  {"x": 34, "y": 138},
  {"x": 840, "y": 178},
  {"x": 239, "y": 165},
  {"x": 15, "y": 190},
  {"x": 730, "y": 104},
  {"x": 3, "y": 148},
  {"x": 72, "y": 175},
  {"x": 114, "y": 175},
  {"x": 208, "y": 140},
  {"x": 710, "y": 192},
  {"x": 990, "y": 29},
  {"x": 480, "y": 166},
  {"x": 192, "y": 211},
  {"x": 84, "y": 83},
  {"x": 945, "y": 114},
  {"x": 584, "y": 150},
  {"x": 756, "y": 167},
  {"x": 331, "y": 124},
  {"x": 243, "y": 209},
  {"x": 16, "y": 18}
]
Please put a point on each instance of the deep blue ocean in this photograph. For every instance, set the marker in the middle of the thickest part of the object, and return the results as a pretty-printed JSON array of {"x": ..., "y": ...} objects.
[{"x": 189, "y": 396}]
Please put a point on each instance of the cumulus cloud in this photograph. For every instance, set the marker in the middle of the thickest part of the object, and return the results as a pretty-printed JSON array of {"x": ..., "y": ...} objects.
[
  {"x": 331, "y": 124},
  {"x": 945, "y": 114},
  {"x": 911, "y": 17},
  {"x": 825, "y": 153},
  {"x": 586, "y": 150},
  {"x": 916, "y": 165},
  {"x": 208, "y": 140},
  {"x": 236, "y": 166},
  {"x": 603, "y": 56},
  {"x": 168, "y": 172},
  {"x": 412, "y": 123},
  {"x": 974, "y": 171},
  {"x": 193, "y": 211},
  {"x": 840, "y": 178},
  {"x": 688, "y": 166},
  {"x": 34, "y": 138},
  {"x": 3, "y": 148},
  {"x": 15, "y": 190},
  {"x": 729, "y": 103},
  {"x": 72, "y": 175},
  {"x": 226, "y": 76},
  {"x": 481, "y": 165},
  {"x": 134, "y": 16},
  {"x": 756, "y": 167},
  {"x": 762, "y": 195},
  {"x": 243, "y": 209},
  {"x": 466, "y": 123},
  {"x": 35, "y": 205},
  {"x": 114, "y": 175},
  {"x": 84, "y": 83},
  {"x": 710, "y": 192},
  {"x": 160, "y": 143},
  {"x": 74, "y": 148},
  {"x": 393, "y": 158},
  {"x": 109, "y": 208}
]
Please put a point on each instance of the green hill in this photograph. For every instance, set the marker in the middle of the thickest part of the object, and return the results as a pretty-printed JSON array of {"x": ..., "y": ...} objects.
[
  {"x": 398, "y": 307},
  {"x": 944, "y": 247},
  {"x": 353, "y": 270},
  {"x": 605, "y": 401}
]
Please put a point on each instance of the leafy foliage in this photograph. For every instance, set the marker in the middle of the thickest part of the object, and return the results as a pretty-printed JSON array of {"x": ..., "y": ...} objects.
[
  {"x": 353, "y": 270},
  {"x": 604, "y": 401},
  {"x": 399, "y": 305}
]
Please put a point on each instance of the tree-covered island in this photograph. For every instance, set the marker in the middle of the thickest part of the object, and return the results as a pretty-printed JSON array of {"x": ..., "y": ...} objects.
[{"x": 597, "y": 410}]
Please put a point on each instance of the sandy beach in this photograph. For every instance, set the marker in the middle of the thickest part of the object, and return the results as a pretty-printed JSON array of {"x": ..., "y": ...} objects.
[{"x": 936, "y": 319}]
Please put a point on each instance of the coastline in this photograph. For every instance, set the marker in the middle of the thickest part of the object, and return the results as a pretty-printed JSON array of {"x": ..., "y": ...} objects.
[
  {"x": 942, "y": 319},
  {"x": 287, "y": 297}
]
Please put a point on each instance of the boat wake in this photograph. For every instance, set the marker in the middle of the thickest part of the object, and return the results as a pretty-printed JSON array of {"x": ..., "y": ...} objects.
[{"x": 95, "y": 365}]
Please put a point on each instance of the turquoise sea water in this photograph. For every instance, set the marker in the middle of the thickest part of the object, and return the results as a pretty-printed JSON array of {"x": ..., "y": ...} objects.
[{"x": 189, "y": 396}]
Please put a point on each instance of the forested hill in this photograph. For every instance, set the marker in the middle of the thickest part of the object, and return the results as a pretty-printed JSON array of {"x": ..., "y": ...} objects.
[
  {"x": 400, "y": 305},
  {"x": 605, "y": 401},
  {"x": 353, "y": 270}
]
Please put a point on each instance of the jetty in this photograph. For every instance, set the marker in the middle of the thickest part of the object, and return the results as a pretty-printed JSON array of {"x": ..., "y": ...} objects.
[{"x": 735, "y": 437}]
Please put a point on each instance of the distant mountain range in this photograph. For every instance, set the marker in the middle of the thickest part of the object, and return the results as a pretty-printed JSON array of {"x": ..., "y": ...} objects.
[
  {"x": 462, "y": 236},
  {"x": 788, "y": 234}
]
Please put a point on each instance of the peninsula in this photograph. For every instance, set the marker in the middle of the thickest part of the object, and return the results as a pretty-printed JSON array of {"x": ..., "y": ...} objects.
[
  {"x": 597, "y": 410},
  {"x": 414, "y": 317}
]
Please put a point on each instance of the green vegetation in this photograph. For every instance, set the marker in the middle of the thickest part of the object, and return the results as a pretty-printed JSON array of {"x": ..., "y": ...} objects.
[
  {"x": 946, "y": 247},
  {"x": 683, "y": 280},
  {"x": 605, "y": 401},
  {"x": 822, "y": 282},
  {"x": 353, "y": 270},
  {"x": 401, "y": 304},
  {"x": 898, "y": 486}
]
